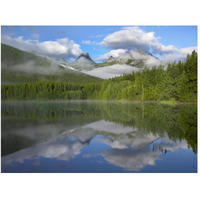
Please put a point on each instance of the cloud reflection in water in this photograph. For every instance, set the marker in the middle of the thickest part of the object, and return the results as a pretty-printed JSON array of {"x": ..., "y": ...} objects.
[{"x": 129, "y": 149}]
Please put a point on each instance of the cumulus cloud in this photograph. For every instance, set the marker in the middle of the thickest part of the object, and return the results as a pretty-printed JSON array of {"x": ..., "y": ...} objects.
[
  {"x": 134, "y": 38},
  {"x": 114, "y": 53},
  {"x": 61, "y": 48}
]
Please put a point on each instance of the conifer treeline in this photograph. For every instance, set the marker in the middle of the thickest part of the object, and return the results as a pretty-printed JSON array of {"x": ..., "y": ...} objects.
[{"x": 178, "y": 82}]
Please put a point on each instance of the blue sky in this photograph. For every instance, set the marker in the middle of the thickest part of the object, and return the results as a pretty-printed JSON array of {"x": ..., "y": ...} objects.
[{"x": 100, "y": 40}]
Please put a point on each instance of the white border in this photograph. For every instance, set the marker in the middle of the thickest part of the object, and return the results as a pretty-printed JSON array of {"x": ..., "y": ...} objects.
[{"x": 99, "y": 186}]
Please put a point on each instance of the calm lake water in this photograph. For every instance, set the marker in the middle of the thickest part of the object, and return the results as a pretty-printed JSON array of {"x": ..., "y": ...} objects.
[{"x": 93, "y": 136}]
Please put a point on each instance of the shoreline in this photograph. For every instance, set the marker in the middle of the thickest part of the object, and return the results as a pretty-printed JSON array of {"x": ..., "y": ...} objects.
[{"x": 107, "y": 101}]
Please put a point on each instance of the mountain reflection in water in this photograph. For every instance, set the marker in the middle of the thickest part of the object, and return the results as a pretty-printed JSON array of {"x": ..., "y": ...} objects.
[{"x": 98, "y": 137}]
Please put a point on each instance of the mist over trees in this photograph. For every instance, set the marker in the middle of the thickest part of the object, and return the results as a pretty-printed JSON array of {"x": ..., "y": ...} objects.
[{"x": 177, "y": 83}]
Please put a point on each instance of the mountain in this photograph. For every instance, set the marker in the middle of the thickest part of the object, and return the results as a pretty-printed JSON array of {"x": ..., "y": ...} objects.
[
  {"x": 83, "y": 62},
  {"x": 19, "y": 66},
  {"x": 125, "y": 63},
  {"x": 138, "y": 59},
  {"x": 23, "y": 67},
  {"x": 150, "y": 54},
  {"x": 85, "y": 57}
]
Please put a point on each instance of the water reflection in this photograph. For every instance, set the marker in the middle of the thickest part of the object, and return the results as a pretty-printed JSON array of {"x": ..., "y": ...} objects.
[
  {"x": 97, "y": 136},
  {"x": 135, "y": 157}
]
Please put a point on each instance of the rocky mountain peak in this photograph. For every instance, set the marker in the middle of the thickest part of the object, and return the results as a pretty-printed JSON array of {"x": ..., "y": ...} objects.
[
  {"x": 141, "y": 52},
  {"x": 83, "y": 62},
  {"x": 85, "y": 56}
]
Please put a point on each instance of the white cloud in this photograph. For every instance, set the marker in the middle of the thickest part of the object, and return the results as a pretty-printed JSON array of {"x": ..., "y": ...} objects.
[
  {"x": 87, "y": 42},
  {"x": 114, "y": 53},
  {"x": 125, "y": 55},
  {"x": 131, "y": 159},
  {"x": 63, "y": 48},
  {"x": 134, "y": 38},
  {"x": 161, "y": 49},
  {"x": 184, "y": 51},
  {"x": 135, "y": 157},
  {"x": 31, "y": 68},
  {"x": 132, "y": 140},
  {"x": 168, "y": 58},
  {"x": 97, "y": 36},
  {"x": 126, "y": 42},
  {"x": 181, "y": 54},
  {"x": 111, "y": 71},
  {"x": 130, "y": 150},
  {"x": 110, "y": 127},
  {"x": 130, "y": 39},
  {"x": 59, "y": 148},
  {"x": 149, "y": 60}
]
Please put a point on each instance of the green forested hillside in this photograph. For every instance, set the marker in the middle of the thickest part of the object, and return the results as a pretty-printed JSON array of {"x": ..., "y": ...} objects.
[
  {"x": 177, "y": 83},
  {"x": 11, "y": 56},
  {"x": 19, "y": 67}
]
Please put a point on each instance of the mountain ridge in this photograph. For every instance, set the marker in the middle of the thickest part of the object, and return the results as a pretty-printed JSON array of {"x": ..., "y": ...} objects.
[
  {"x": 19, "y": 66},
  {"x": 138, "y": 59}
]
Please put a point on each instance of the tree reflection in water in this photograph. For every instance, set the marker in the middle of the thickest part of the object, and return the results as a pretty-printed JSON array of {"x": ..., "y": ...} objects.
[{"x": 127, "y": 135}]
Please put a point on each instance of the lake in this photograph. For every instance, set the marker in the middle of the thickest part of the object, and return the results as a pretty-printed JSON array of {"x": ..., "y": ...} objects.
[{"x": 98, "y": 136}]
